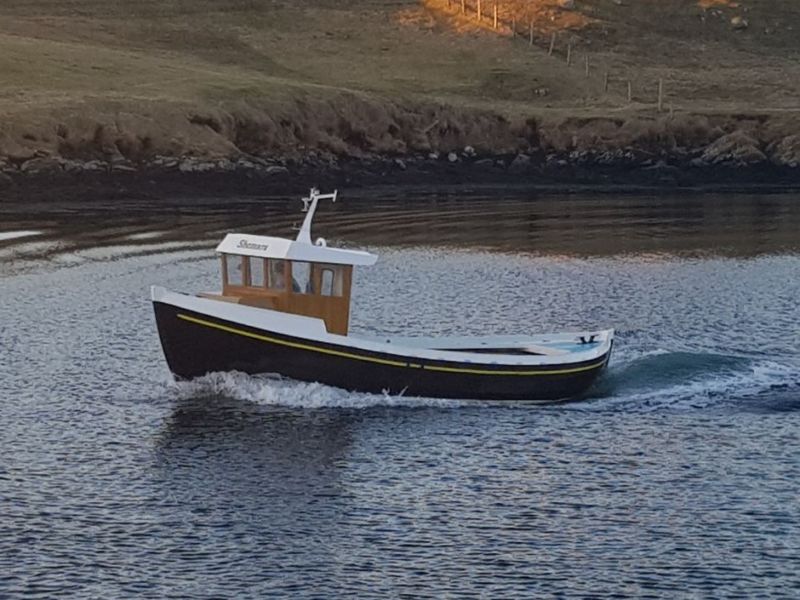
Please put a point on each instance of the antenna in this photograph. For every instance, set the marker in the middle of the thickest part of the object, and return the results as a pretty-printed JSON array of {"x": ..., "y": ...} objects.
[{"x": 310, "y": 207}]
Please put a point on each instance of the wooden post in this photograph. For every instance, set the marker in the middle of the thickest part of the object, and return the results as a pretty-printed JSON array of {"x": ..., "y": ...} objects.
[
  {"x": 480, "y": 11},
  {"x": 463, "y": 7},
  {"x": 552, "y": 44},
  {"x": 513, "y": 27},
  {"x": 660, "y": 95},
  {"x": 495, "y": 15},
  {"x": 630, "y": 92},
  {"x": 605, "y": 83},
  {"x": 586, "y": 64},
  {"x": 530, "y": 34},
  {"x": 569, "y": 54}
]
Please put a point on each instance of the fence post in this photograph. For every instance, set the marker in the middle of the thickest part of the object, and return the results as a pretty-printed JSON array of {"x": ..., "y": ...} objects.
[
  {"x": 660, "y": 95},
  {"x": 495, "y": 14},
  {"x": 586, "y": 64},
  {"x": 605, "y": 83},
  {"x": 530, "y": 34},
  {"x": 569, "y": 54},
  {"x": 552, "y": 44},
  {"x": 513, "y": 27},
  {"x": 463, "y": 7},
  {"x": 480, "y": 11},
  {"x": 630, "y": 92}
]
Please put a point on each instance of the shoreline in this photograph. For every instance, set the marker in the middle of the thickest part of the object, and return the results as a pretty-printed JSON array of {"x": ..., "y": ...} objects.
[{"x": 71, "y": 180}]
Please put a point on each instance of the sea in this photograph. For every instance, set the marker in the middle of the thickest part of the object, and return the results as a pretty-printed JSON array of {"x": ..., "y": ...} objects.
[{"x": 678, "y": 476}]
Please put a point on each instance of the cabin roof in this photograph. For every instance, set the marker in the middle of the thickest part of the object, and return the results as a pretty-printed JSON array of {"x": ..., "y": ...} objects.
[{"x": 274, "y": 247}]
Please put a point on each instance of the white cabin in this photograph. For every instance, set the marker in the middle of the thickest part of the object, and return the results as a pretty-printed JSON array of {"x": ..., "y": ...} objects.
[{"x": 298, "y": 276}]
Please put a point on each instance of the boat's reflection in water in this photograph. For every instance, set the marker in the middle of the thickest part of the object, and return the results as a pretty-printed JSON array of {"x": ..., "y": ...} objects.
[{"x": 249, "y": 450}]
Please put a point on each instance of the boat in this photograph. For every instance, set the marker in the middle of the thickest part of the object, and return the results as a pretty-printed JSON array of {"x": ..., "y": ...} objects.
[{"x": 284, "y": 309}]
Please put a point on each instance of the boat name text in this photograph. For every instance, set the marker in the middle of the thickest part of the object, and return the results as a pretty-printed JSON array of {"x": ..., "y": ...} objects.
[{"x": 252, "y": 245}]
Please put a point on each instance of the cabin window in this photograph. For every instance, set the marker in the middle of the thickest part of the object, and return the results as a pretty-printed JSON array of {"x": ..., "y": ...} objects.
[
  {"x": 327, "y": 282},
  {"x": 276, "y": 271},
  {"x": 331, "y": 279},
  {"x": 301, "y": 278},
  {"x": 257, "y": 272},
  {"x": 235, "y": 268}
]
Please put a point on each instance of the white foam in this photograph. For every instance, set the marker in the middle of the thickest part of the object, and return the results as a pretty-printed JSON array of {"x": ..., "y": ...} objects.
[
  {"x": 13, "y": 235},
  {"x": 29, "y": 249},
  {"x": 706, "y": 390},
  {"x": 275, "y": 391}
]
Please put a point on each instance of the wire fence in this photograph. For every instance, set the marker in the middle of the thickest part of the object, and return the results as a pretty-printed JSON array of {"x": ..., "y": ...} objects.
[{"x": 489, "y": 13}]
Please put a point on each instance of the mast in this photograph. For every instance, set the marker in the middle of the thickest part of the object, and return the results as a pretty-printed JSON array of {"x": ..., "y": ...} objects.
[{"x": 310, "y": 207}]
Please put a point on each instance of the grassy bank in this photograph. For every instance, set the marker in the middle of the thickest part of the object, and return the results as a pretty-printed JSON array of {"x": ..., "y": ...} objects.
[{"x": 129, "y": 83}]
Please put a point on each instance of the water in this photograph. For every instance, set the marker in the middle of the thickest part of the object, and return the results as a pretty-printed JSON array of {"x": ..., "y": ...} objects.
[{"x": 678, "y": 477}]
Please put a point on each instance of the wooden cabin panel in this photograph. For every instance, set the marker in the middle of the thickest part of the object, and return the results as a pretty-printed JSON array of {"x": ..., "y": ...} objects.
[
  {"x": 270, "y": 284},
  {"x": 334, "y": 311}
]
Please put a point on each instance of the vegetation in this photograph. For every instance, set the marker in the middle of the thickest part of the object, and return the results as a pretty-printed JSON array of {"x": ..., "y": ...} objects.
[{"x": 213, "y": 77}]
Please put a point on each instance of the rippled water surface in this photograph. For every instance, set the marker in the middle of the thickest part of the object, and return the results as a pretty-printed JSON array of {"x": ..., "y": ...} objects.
[{"x": 678, "y": 477}]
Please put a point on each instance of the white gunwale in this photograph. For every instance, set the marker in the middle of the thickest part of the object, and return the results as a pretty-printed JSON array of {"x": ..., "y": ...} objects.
[{"x": 313, "y": 329}]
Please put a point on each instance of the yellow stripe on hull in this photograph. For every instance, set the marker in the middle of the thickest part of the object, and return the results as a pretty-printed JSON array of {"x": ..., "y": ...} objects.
[{"x": 381, "y": 361}]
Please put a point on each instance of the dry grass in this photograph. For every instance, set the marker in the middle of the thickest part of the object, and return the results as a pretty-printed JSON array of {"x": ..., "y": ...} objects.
[
  {"x": 57, "y": 52},
  {"x": 155, "y": 61}
]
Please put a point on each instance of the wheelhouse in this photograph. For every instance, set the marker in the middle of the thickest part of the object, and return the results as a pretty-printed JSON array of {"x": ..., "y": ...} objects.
[{"x": 291, "y": 276}]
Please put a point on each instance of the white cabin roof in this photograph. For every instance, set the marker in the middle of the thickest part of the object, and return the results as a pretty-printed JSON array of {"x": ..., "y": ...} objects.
[{"x": 274, "y": 247}]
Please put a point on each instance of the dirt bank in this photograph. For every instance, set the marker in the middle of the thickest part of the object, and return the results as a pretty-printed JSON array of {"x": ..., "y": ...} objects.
[
  {"x": 354, "y": 140},
  {"x": 113, "y": 95}
]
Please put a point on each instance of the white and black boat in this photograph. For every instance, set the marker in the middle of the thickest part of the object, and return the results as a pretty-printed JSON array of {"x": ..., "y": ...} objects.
[{"x": 284, "y": 308}]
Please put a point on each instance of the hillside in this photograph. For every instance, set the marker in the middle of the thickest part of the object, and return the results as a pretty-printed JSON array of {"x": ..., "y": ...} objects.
[{"x": 124, "y": 84}]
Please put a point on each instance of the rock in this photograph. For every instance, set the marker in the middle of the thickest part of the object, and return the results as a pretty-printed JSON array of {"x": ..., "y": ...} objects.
[
  {"x": 736, "y": 148},
  {"x": 541, "y": 92},
  {"x": 433, "y": 156},
  {"x": 245, "y": 164},
  {"x": 276, "y": 170},
  {"x": 41, "y": 166},
  {"x": 225, "y": 165},
  {"x": 205, "y": 166},
  {"x": 739, "y": 23},
  {"x": 186, "y": 165},
  {"x": 259, "y": 161},
  {"x": 786, "y": 153},
  {"x": 72, "y": 166},
  {"x": 95, "y": 166},
  {"x": 120, "y": 164},
  {"x": 400, "y": 164},
  {"x": 698, "y": 163},
  {"x": 195, "y": 165},
  {"x": 121, "y": 167},
  {"x": 520, "y": 164},
  {"x": 663, "y": 169},
  {"x": 452, "y": 157},
  {"x": 485, "y": 164},
  {"x": 469, "y": 151}
]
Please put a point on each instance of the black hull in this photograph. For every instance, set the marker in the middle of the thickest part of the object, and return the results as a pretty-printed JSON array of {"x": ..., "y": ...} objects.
[{"x": 195, "y": 344}]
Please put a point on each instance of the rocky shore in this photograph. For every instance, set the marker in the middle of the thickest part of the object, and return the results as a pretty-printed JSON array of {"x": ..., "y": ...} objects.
[
  {"x": 732, "y": 152},
  {"x": 48, "y": 178}
]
